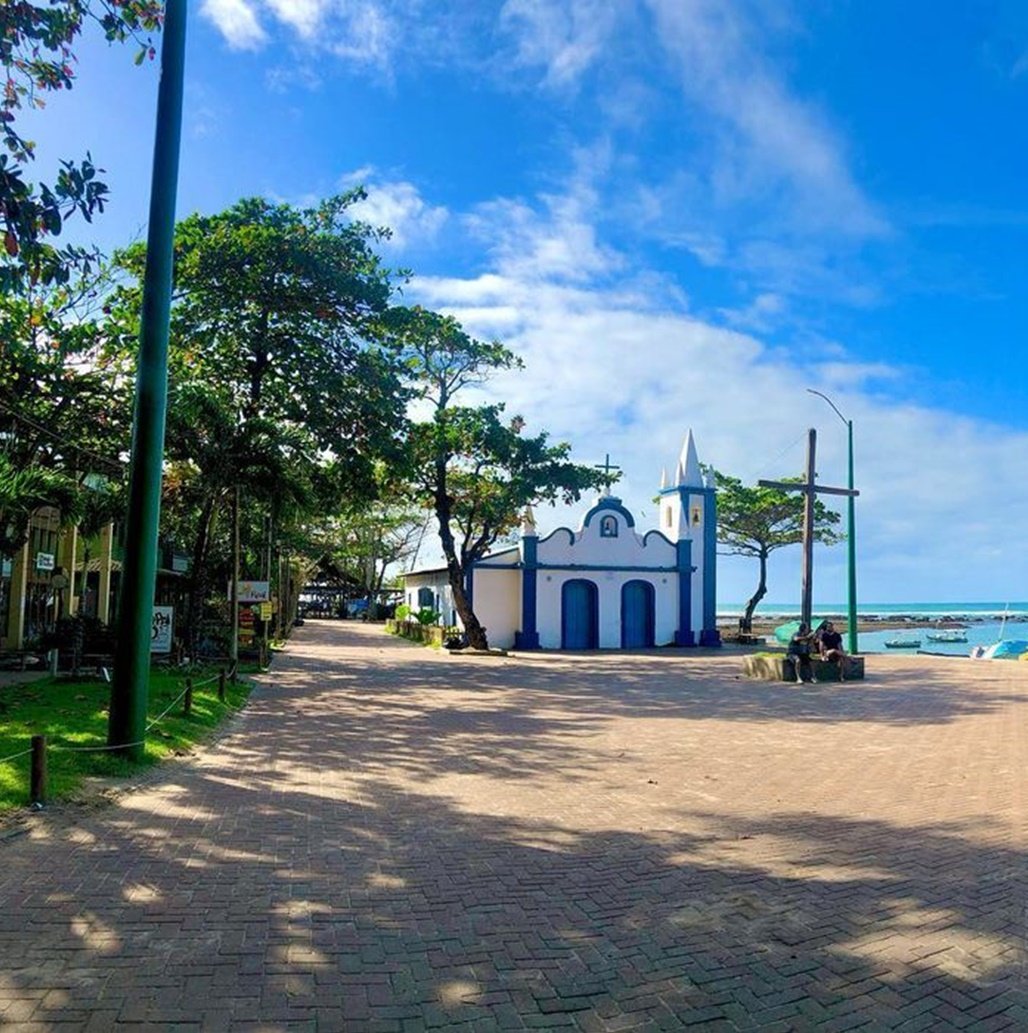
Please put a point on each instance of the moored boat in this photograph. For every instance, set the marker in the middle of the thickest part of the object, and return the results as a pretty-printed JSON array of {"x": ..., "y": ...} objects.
[
  {"x": 903, "y": 643},
  {"x": 947, "y": 636}
]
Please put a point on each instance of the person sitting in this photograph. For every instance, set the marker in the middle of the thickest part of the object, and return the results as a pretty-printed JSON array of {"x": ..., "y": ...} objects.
[
  {"x": 799, "y": 653},
  {"x": 830, "y": 642}
]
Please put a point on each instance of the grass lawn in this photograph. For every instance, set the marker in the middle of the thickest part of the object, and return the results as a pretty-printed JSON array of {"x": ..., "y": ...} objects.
[{"x": 74, "y": 714}]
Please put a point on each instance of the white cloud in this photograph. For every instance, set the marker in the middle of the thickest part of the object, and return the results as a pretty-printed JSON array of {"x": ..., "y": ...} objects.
[
  {"x": 565, "y": 38},
  {"x": 616, "y": 366},
  {"x": 397, "y": 205},
  {"x": 775, "y": 140},
  {"x": 237, "y": 21},
  {"x": 363, "y": 32}
]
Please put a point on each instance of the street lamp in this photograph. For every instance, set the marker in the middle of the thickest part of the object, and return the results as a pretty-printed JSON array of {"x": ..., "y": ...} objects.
[{"x": 850, "y": 530}]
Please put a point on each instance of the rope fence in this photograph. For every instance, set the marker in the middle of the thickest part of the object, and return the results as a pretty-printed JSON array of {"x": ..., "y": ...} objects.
[{"x": 39, "y": 749}]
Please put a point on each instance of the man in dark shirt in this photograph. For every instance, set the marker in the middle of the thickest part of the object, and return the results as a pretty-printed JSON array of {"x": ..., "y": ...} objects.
[{"x": 831, "y": 648}]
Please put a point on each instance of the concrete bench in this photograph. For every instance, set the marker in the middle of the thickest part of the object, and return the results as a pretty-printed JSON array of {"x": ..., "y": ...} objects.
[{"x": 780, "y": 667}]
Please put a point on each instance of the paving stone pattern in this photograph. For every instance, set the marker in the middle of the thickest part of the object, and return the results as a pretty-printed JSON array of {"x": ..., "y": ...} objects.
[{"x": 392, "y": 839}]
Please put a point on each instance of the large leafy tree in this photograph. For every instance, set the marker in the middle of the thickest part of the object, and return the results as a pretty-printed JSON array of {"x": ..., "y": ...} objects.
[
  {"x": 756, "y": 521},
  {"x": 278, "y": 386},
  {"x": 64, "y": 407},
  {"x": 37, "y": 56},
  {"x": 472, "y": 466}
]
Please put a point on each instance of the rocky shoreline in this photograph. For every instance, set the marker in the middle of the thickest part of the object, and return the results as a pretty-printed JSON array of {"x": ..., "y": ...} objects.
[{"x": 893, "y": 622}]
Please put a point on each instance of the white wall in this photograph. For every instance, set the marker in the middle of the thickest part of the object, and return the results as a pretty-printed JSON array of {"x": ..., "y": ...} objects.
[{"x": 496, "y": 600}]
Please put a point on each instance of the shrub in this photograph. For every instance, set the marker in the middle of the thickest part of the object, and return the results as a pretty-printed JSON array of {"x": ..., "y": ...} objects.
[
  {"x": 426, "y": 615},
  {"x": 402, "y": 612}
]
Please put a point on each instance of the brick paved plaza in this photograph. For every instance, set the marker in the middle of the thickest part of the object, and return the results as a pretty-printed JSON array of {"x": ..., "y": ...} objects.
[{"x": 393, "y": 839}]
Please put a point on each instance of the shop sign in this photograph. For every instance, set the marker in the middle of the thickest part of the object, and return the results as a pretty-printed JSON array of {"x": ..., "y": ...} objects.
[
  {"x": 163, "y": 622},
  {"x": 44, "y": 561},
  {"x": 253, "y": 591}
]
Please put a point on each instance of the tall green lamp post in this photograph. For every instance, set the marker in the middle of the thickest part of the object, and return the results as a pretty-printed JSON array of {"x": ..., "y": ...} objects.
[
  {"x": 851, "y": 531},
  {"x": 126, "y": 727}
]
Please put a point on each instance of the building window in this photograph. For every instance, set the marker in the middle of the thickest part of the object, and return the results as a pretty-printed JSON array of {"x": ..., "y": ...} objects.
[
  {"x": 695, "y": 515},
  {"x": 667, "y": 517},
  {"x": 608, "y": 527}
]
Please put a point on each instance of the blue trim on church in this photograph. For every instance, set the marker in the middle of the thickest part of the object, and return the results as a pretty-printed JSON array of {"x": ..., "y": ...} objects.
[
  {"x": 528, "y": 636},
  {"x": 684, "y": 635},
  {"x": 609, "y": 504},
  {"x": 709, "y": 635}
]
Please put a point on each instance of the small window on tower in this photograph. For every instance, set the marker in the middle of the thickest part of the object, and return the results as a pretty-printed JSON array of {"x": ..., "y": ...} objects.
[
  {"x": 695, "y": 515},
  {"x": 608, "y": 527},
  {"x": 667, "y": 517}
]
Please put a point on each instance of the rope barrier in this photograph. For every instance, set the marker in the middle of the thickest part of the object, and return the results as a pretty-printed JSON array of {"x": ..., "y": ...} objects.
[
  {"x": 63, "y": 748},
  {"x": 15, "y": 756}
]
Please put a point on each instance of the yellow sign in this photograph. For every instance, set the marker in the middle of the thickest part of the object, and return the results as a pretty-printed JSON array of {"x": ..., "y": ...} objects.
[{"x": 265, "y": 611}]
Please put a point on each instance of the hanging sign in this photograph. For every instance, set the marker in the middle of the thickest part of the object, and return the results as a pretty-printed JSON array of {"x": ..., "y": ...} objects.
[
  {"x": 44, "y": 561},
  {"x": 253, "y": 591},
  {"x": 160, "y": 635}
]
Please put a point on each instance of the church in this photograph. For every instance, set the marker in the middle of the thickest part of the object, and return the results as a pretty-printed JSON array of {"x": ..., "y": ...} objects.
[{"x": 606, "y": 585}]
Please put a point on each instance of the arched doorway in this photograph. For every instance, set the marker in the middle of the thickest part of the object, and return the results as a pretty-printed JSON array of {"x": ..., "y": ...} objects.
[
  {"x": 638, "y": 606},
  {"x": 580, "y": 615}
]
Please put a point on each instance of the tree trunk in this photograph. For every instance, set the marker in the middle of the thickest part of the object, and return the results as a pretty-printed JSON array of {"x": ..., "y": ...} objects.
[
  {"x": 197, "y": 578},
  {"x": 472, "y": 626},
  {"x": 746, "y": 624},
  {"x": 455, "y": 569}
]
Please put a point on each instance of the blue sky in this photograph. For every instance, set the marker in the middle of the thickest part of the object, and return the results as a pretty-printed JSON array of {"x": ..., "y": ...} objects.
[{"x": 681, "y": 213}]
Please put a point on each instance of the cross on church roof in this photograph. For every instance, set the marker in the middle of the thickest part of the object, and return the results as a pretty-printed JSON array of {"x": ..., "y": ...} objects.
[{"x": 606, "y": 466}]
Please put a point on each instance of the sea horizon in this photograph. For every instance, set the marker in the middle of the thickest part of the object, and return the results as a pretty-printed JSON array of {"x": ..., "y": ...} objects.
[{"x": 872, "y": 610}]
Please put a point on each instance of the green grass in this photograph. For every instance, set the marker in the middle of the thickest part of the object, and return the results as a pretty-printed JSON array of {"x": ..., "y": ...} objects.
[{"x": 74, "y": 713}]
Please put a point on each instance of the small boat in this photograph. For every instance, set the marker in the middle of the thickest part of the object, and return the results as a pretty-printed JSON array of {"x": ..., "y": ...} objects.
[
  {"x": 947, "y": 636},
  {"x": 903, "y": 643},
  {"x": 1005, "y": 649}
]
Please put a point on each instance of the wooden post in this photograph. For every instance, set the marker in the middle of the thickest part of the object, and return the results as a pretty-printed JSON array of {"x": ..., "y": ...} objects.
[
  {"x": 810, "y": 489},
  {"x": 221, "y": 685},
  {"x": 807, "y": 598},
  {"x": 37, "y": 777},
  {"x": 187, "y": 702}
]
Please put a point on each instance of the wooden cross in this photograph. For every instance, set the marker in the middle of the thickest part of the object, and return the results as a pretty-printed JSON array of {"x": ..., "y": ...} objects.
[
  {"x": 606, "y": 467},
  {"x": 810, "y": 490}
]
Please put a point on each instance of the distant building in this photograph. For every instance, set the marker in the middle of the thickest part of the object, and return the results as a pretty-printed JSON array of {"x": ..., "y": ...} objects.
[{"x": 604, "y": 586}]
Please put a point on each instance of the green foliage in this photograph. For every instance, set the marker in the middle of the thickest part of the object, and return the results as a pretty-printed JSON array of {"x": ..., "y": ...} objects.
[
  {"x": 37, "y": 57},
  {"x": 472, "y": 466},
  {"x": 22, "y": 492},
  {"x": 426, "y": 615},
  {"x": 756, "y": 521},
  {"x": 403, "y": 612},
  {"x": 73, "y": 713}
]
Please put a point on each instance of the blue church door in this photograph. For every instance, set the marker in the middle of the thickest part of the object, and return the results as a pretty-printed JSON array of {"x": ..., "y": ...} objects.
[
  {"x": 580, "y": 615},
  {"x": 637, "y": 615}
]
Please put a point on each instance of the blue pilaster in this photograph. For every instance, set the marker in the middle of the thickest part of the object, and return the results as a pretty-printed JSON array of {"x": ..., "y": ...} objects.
[
  {"x": 684, "y": 635},
  {"x": 528, "y": 636},
  {"x": 709, "y": 635}
]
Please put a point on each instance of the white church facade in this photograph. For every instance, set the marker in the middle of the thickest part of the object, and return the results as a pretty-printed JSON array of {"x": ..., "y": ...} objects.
[{"x": 606, "y": 585}]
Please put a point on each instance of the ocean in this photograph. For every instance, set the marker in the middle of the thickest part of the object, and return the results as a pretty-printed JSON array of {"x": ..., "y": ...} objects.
[
  {"x": 931, "y": 611},
  {"x": 984, "y": 622}
]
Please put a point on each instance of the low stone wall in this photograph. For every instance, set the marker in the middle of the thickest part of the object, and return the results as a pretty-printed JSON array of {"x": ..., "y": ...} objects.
[
  {"x": 429, "y": 634},
  {"x": 780, "y": 667}
]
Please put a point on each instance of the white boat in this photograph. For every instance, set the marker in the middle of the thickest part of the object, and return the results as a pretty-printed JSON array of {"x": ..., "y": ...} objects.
[{"x": 946, "y": 636}]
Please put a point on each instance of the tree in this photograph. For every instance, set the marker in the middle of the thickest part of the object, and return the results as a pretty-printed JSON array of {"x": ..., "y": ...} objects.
[
  {"x": 362, "y": 545},
  {"x": 22, "y": 492},
  {"x": 278, "y": 384},
  {"x": 64, "y": 411},
  {"x": 472, "y": 466},
  {"x": 36, "y": 53},
  {"x": 757, "y": 521}
]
